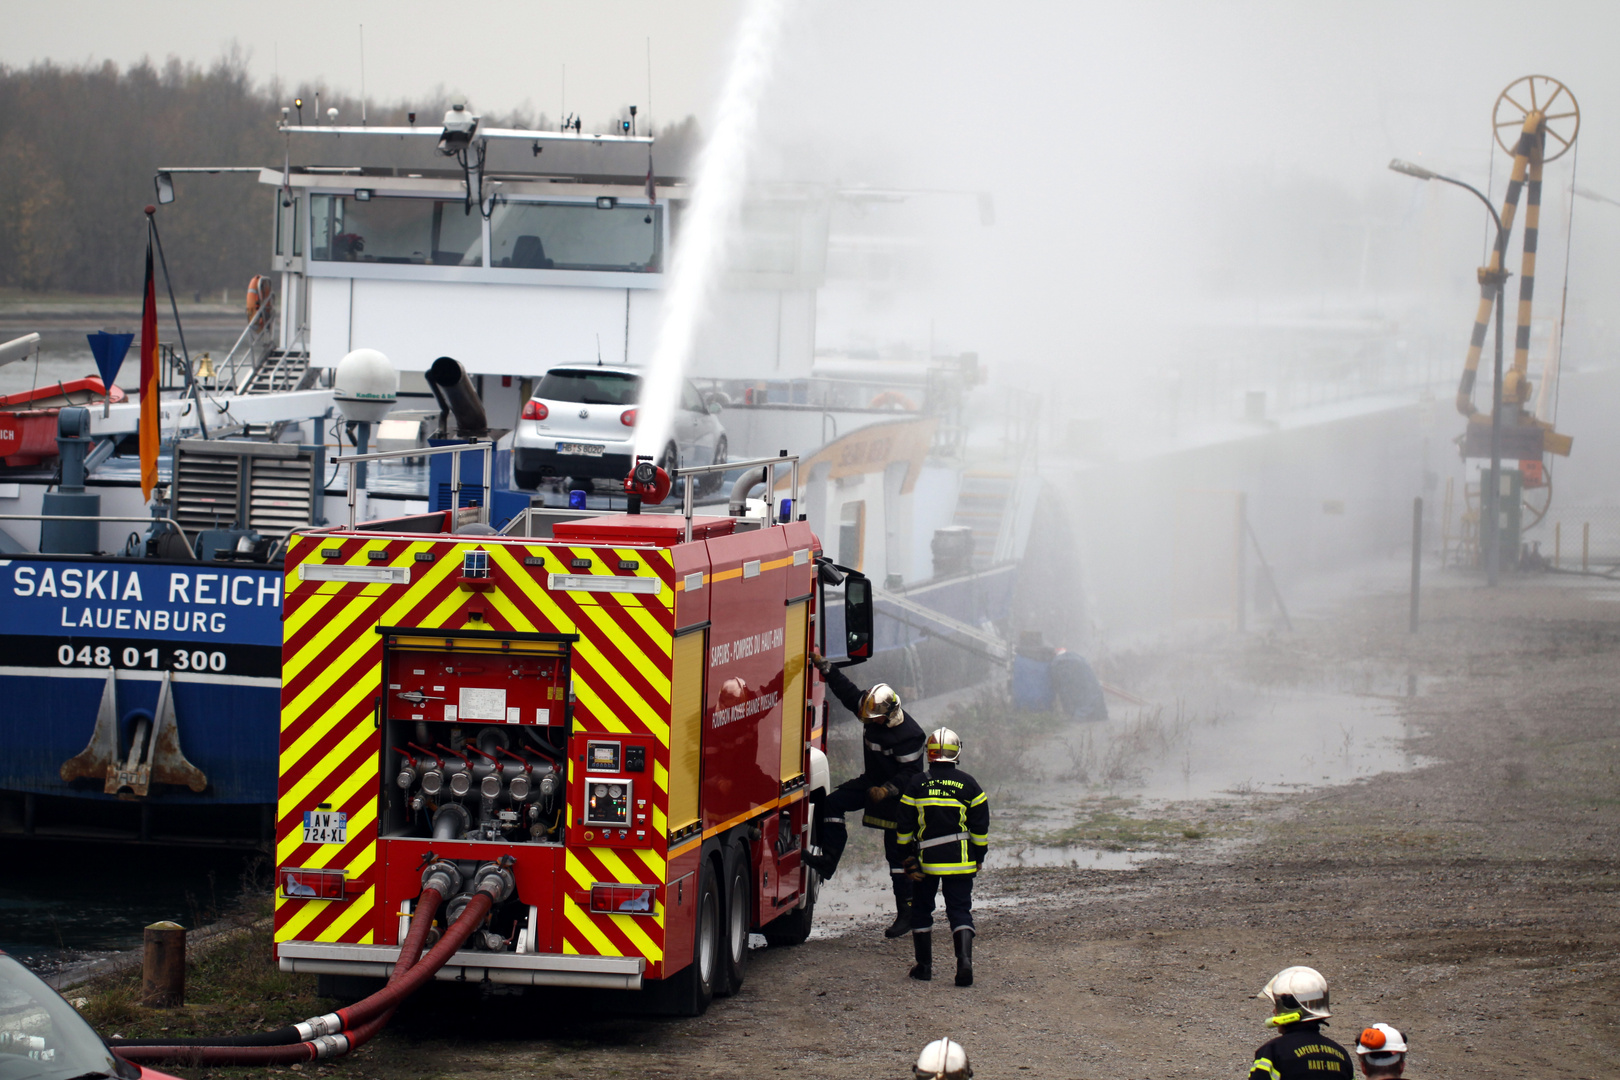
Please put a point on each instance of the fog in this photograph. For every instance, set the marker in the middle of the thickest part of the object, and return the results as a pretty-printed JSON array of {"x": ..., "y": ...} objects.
[{"x": 1137, "y": 215}]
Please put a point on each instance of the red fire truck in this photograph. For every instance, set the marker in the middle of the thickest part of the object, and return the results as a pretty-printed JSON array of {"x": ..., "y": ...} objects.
[{"x": 615, "y": 710}]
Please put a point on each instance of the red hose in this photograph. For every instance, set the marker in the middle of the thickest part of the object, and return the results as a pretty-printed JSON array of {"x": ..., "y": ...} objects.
[
  {"x": 362, "y": 1020},
  {"x": 402, "y": 987},
  {"x": 421, "y": 922}
]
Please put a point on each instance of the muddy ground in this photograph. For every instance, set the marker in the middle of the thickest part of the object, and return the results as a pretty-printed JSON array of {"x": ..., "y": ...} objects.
[{"x": 1470, "y": 901}]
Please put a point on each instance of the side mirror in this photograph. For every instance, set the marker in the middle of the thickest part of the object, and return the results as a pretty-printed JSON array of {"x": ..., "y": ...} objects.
[
  {"x": 165, "y": 188},
  {"x": 857, "y": 617},
  {"x": 714, "y": 406}
]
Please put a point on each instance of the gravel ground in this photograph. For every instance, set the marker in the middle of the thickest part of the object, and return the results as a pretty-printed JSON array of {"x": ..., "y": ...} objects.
[{"x": 1470, "y": 901}]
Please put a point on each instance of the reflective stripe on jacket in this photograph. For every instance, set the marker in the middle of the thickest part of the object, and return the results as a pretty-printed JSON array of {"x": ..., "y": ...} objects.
[{"x": 946, "y": 816}]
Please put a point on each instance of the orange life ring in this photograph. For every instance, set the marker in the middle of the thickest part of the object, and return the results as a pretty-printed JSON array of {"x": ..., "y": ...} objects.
[
  {"x": 893, "y": 399},
  {"x": 259, "y": 299}
]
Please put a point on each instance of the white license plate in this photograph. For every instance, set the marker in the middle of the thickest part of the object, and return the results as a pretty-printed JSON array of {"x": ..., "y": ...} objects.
[
  {"x": 326, "y": 827},
  {"x": 581, "y": 449}
]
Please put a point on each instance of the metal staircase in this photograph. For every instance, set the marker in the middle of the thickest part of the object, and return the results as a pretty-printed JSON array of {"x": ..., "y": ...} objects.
[
  {"x": 982, "y": 505},
  {"x": 281, "y": 371}
]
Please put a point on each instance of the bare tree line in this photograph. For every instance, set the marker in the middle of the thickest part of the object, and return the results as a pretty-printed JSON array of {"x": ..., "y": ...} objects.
[{"x": 79, "y": 147}]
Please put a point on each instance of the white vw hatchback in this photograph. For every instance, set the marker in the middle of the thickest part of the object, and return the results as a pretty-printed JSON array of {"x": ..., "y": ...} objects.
[{"x": 581, "y": 423}]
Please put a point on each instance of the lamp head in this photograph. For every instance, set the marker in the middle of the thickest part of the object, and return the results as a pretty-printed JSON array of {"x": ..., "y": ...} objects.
[{"x": 1410, "y": 169}]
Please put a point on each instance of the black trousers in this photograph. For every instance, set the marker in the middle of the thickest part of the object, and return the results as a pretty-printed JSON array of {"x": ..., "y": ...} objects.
[
  {"x": 832, "y": 830},
  {"x": 958, "y": 890}
]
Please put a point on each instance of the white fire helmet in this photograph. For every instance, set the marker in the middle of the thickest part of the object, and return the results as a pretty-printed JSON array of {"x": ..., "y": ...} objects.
[
  {"x": 944, "y": 745},
  {"x": 942, "y": 1059},
  {"x": 1381, "y": 1045},
  {"x": 880, "y": 703},
  {"x": 1296, "y": 993}
]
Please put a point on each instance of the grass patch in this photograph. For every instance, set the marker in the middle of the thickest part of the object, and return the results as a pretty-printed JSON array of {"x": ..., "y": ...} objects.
[{"x": 1109, "y": 825}]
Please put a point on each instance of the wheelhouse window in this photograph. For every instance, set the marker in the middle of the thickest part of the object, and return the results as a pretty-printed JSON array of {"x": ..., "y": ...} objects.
[
  {"x": 605, "y": 235},
  {"x": 423, "y": 232}
]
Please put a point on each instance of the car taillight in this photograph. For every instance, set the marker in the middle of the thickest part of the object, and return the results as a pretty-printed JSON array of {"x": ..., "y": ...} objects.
[
  {"x": 628, "y": 418},
  {"x": 300, "y": 883},
  {"x": 623, "y": 899},
  {"x": 534, "y": 410}
]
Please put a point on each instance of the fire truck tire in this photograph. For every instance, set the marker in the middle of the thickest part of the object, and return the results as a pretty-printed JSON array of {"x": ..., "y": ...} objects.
[
  {"x": 689, "y": 991},
  {"x": 793, "y": 928},
  {"x": 738, "y": 915}
]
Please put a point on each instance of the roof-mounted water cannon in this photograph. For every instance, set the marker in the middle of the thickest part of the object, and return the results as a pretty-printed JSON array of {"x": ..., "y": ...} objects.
[
  {"x": 332, "y": 115},
  {"x": 647, "y": 483}
]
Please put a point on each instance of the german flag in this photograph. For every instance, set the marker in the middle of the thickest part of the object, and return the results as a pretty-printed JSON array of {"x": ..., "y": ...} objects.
[{"x": 151, "y": 415}]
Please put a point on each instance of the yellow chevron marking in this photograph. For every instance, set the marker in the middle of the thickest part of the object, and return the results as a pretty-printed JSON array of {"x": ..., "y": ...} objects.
[
  {"x": 335, "y": 667},
  {"x": 661, "y": 776},
  {"x": 648, "y": 625},
  {"x": 615, "y": 866},
  {"x": 593, "y": 933},
  {"x": 295, "y": 925},
  {"x": 299, "y": 792},
  {"x": 654, "y": 861},
  {"x": 634, "y": 927},
  {"x": 660, "y": 821},
  {"x": 510, "y": 611},
  {"x": 585, "y": 695},
  {"x": 577, "y": 871},
  {"x": 356, "y": 908},
  {"x": 341, "y": 711},
  {"x": 657, "y": 675}
]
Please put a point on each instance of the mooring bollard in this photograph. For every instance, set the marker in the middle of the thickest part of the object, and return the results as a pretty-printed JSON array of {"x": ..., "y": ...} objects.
[{"x": 163, "y": 965}]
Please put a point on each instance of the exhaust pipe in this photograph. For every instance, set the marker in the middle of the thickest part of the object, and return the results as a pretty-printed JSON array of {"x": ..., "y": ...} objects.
[{"x": 739, "y": 491}]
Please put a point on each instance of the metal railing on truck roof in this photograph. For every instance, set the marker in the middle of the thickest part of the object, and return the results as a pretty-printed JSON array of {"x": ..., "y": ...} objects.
[{"x": 767, "y": 465}]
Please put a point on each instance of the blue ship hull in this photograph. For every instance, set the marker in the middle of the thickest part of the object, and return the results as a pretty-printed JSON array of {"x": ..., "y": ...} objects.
[{"x": 214, "y": 629}]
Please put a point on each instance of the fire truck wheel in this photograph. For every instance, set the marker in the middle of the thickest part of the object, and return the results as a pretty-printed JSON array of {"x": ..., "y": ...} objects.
[
  {"x": 689, "y": 991},
  {"x": 793, "y": 927},
  {"x": 738, "y": 916}
]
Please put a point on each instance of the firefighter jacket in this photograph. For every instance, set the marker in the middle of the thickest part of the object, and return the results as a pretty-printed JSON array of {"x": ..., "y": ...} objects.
[
  {"x": 1301, "y": 1050},
  {"x": 893, "y": 755},
  {"x": 947, "y": 816}
]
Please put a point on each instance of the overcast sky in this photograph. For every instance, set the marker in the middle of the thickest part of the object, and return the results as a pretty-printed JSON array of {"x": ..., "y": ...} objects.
[{"x": 499, "y": 53}]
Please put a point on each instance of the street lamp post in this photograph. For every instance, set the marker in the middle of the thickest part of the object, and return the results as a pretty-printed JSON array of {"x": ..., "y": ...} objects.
[{"x": 1490, "y": 505}]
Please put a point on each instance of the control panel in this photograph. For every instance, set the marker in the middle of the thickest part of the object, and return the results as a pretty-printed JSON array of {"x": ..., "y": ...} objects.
[{"x": 610, "y": 800}]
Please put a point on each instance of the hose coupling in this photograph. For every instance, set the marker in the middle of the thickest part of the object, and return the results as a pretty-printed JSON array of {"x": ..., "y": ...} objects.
[
  {"x": 443, "y": 876},
  {"x": 317, "y": 1026},
  {"x": 496, "y": 879},
  {"x": 330, "y": 1046}
]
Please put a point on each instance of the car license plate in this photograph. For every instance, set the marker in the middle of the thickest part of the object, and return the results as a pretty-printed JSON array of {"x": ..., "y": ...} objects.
[
  {"x": 326, "y": 827},
  {"x": 579, "y": 449}
]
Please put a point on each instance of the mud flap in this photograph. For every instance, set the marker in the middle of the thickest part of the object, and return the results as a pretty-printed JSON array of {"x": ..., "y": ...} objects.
[{"x": 155, "y": 756}]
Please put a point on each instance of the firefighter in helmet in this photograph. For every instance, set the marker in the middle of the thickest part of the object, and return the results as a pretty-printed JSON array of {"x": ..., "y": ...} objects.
[
  {"x": 945, "y": 827},
  {"x": 893, "y": 755},
  {"x": 1299, "y": 1010},
  {"x": 942, "y": 1059}
]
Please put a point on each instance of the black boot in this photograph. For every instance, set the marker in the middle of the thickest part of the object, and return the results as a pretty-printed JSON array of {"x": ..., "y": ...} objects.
[
  {"x": 831, "y": 836},
  {"x": 902, "y": 906},
  {"x": 922, "y": 946},
  {"x": 964, "y": 956}
]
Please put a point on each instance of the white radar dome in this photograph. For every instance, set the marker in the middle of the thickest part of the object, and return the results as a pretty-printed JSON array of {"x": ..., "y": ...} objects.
[{"x": 365, "y": 386}]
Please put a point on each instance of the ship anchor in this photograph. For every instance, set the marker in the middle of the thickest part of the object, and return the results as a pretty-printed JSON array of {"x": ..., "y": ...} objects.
[{"x": 154, "y": 755}]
